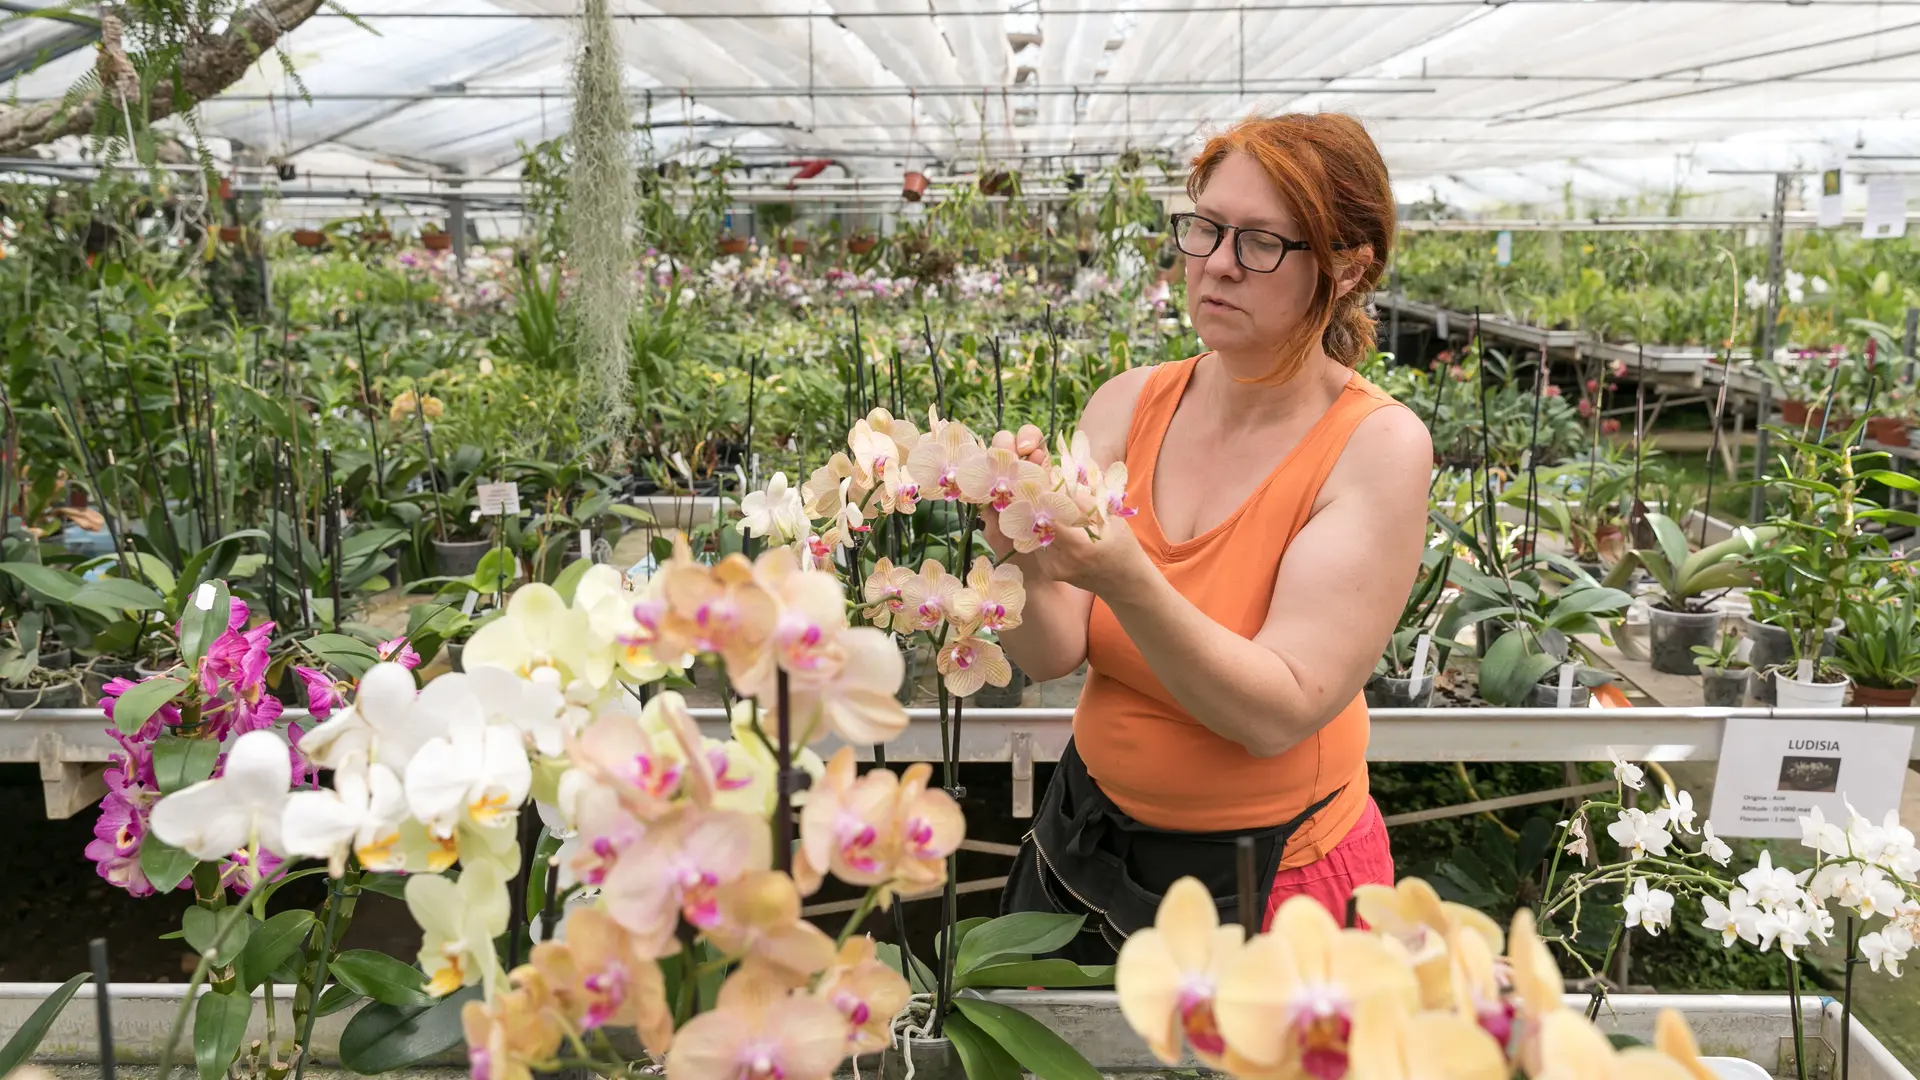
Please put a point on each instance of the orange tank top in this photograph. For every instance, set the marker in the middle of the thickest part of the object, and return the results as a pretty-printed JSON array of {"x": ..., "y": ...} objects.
[{"x": 1152, "y": 758}]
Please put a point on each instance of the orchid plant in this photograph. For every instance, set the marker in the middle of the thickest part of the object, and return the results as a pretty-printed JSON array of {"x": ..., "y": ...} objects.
[{"x": 668, "y": 860}]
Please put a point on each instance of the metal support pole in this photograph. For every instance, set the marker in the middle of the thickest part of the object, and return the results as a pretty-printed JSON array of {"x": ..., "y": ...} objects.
[
  {"x": 457, "y": 220},
  {"x": 1763, "y": 340}
]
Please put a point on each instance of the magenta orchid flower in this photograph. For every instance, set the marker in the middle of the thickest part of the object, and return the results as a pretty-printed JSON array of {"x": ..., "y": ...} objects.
[
  {"x": 322, "y": 696},
  {"x": 398, "y": 651}
]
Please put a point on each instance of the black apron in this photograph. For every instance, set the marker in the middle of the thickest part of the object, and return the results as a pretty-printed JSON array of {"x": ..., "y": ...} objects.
[{"x": 1086, "y": 856}]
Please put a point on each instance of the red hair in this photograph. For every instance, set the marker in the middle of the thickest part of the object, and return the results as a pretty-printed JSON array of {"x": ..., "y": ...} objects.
[{"x": 1327, "y": 168}]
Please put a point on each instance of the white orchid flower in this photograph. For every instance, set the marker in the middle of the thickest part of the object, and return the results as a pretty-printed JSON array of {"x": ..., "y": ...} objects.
[
  {"x": 1736, "y": 920},
  {"x": 777, "y": 512},
  {"x": 1713, "y": 847},
  {"x": 361, "y": 815},
  {"x": 478, "y": 774},
  {"x": 1887, "y": 948},
  {"x": 1651, "y": 909},
  {"x": 239, "y": 809},
  {"x": 460, "y": 920},
  {"x": 1640, "y": 833},
  {"x": 388, "y": 722},
  {"x": 540, "y": 630},
  {"x": 535, "y": 706},
  {"x": 1680, "y": 808},
  {"x": 1630, "y": 775}
]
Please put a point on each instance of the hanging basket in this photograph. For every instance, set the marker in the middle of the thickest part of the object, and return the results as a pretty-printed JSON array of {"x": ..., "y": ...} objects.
[
  {"x": 733, "y": 245},
  {"x": 229, "y": 234},
  {"x": 997, "y": 182},
  {"x": 309, "y": 238},
  {"x": 794, "y": 245},
  {"x": 913, "y": 186},
  {"x": 437, "y": 241},
  {"x": 862, "y": 244}
]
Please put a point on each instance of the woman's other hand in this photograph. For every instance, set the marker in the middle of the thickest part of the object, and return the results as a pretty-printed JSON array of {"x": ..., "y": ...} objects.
[{"x": 1108, "y": 565}]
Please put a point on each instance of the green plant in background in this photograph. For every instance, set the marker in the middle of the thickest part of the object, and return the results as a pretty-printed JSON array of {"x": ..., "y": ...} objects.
[
  {"x": 1881, "y": 646},
  {"x": 1683, "y": 574},
  {"x": 602, "y": 210},
  {"x": 1722, "y": 655},
  {"x": 1417, "y": 618}
]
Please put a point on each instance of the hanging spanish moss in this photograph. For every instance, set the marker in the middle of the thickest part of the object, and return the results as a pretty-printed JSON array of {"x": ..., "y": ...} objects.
[{"x": 602, "y": 209}]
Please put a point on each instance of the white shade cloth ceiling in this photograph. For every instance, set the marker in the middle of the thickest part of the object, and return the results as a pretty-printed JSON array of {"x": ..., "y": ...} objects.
[{"x": 1525, "y": 101}]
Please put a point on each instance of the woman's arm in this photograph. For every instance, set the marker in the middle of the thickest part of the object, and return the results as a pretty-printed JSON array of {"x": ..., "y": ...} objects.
[
  {"x": 1341, "y": 587},
  {"x": 1051, "y": 640}
]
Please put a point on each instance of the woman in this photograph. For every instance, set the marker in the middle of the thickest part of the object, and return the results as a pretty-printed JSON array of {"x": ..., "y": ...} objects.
[{"x": 1229, "y": 627}]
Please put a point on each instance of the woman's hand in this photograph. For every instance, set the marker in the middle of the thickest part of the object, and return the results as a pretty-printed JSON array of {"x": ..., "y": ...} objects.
[
  {"x": 1028, "y": 444},
  {"x": 1109, "y": 565}
]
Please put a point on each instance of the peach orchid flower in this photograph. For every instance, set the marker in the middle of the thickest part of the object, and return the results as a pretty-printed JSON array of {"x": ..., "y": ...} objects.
[
  {"x": 1168, "y": 977},
  {"x": 884, "y": 592},
  {"x": 995, "y": 477},
  {"x": 928, "y": 599},
  {"x": 760, "y": 1031},
  {"x": 868, "y": 993},
  {"x": 856, "y": 699},
  {"x": 847, "y": 827},
  {"x": 516, "y": 1032},
  {"x": 1035, "y": 516},
  {"x": 994, "y": 598},
  {"x": 968, "y": 663},
  {"x": 760, "y": 921},
  {"x": 936, "y": 463},
  {"x": 1389, "y": 1043},
  {"x": 1414, "y": 915},
  {"x": 931, "y": 828},
  {"x": 676, "y": 868},
  {"x": 722, "y": 610},
  {"x": 599, "y": 977}
]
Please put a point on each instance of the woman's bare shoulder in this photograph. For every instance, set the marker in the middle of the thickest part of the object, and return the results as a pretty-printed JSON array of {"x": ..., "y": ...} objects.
[
  {"x": 1109, "y": 412},
  {"x": 1389, "y": 449}
]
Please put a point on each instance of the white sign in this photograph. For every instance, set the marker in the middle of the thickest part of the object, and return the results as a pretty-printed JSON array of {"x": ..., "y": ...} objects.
[
  {"x": 1503, "y": 248},
  {"x": 1886, "y": 208},
  {"x": 1775, "y": 772},
  {"x": 497, "y": 499},
  {"x": 1831, "y": 202}
]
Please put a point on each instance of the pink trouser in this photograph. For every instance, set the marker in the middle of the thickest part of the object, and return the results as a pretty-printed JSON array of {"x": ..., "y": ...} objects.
[{"x": 1362, "y": 857}]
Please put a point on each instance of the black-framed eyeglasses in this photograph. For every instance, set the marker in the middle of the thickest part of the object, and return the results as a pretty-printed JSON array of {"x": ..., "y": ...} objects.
[{"x": 1256, "y": 250}]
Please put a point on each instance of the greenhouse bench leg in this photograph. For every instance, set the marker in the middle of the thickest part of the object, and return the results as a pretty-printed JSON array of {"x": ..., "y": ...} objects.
[{"x": 70, "y": 787}]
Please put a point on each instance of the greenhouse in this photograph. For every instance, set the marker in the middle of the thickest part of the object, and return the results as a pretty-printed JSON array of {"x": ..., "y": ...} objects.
[{"x": 775, "y": 540}]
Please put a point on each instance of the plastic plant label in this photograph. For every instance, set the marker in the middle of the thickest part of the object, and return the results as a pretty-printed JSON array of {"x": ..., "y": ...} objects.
[
  {"x": 1886, "y": 208},
  {"x": 1503, "y": 248},
  {"x": 498, "y": 499},
  {"x": 1832, "y": 204},
  {"x": 586, "y": 543},
  {"x": 1773, "y": 772},
  {"x": 1565, "y": 698},
  {"x": 466, "y": 606},
  {"x": 1804, "y": 672},
  {"x": 203, "y": 597},
  {"x": 1440, "y": 325},
  {"x": 1420, "y": 645}
]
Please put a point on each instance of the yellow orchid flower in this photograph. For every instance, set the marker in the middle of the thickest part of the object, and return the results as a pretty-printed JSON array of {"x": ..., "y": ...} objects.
[
  {"x": 515, "y": 1033},
  {"x": 1415, "y": 916},
  {"x": 599, "y": 976},
  {"x": 1287, "y": 1002},
  {"x": 1391, "y": 1044},
  {"x": 1169, "y": 976}
]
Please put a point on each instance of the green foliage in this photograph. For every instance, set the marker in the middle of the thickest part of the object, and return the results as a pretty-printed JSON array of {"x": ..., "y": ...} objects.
[
  {"x": 381, "y": 1038},
  {"x": 22, "y": 1044}
]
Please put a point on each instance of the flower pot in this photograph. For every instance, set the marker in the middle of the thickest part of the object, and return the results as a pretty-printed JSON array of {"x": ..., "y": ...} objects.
[
  {"x": 1772, "y": 647},
  {"x": 733, "y": 245},
  {"x": 793, "y": 245},
  {"x": 1793, "y": 412},
  {"x": 309, "y": 238},
  {"x": 1009, "y": 696},
  {"x": 1887, "y": 430},
  {"x": 860, "y": 245},
  {"x": 64, "y": 695},
  {"x": 145, "y": 670},
  {"x": 1724, "y": 688},
  {"x": 913, "y": 186},
  {"x": 933, "y": 1059},
  {"x": 437, "y": 241},
  {"x": 1673, "y": 634},
  {"x": 910, "y": 665},
  {"x": 1387, "y": 692},
  {"x": 59, "y": 659},
  {"x": 459, "y": 558},
  {"x": 93, "y": 684},
  {"x": 997, "y": 182},
  {"x": 1880, "y": 698},
  {"x": 376, "y": 236},
  {"x": 454, "y": 649},
  {"x": 1791, "y": 693},
  {"x": 1546, "y": 695},
  {"x": 226, "y": 189},
  {"x": 229, "y": 234}
]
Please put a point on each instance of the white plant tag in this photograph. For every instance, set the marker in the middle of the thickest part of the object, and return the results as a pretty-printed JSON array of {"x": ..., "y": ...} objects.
[
  {"x": 586, "y": 543},
  {"x": 1420, "y": 660},
  {"x": 1805, "y": 671},
  {"x": 1440, "y": 325},
  {"x": 466, "y": 606},
  {"x": 203, "y": 597},
  {"x": 498, "y": 499},
  {"x": 1566, "y": 686},
  {"x": 306, "y": 600}
]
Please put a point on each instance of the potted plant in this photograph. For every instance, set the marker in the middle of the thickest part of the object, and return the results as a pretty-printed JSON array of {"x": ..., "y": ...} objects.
[
  {"x": 434, "y": 238},
  {"x": 1400, "y": 677},
  {"x": 913, "y": 186},
  {"x": 1723, "y": 675},
  {"x": 1678, "y": 620},
  {"x": 1546, "y": 691},
  {"x": 1880, "y": 651},
  {"x": 733, "y": 245},
  {"x": 26, "y": 683},
  {"x": 862, "y": 243},
  {"x": 309, "y": 238}
]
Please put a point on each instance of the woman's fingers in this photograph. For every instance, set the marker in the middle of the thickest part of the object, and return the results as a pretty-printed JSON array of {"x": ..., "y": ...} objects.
[
  {"x": 1003, "y": 440},
  {"x": 1031, "y": 444}
]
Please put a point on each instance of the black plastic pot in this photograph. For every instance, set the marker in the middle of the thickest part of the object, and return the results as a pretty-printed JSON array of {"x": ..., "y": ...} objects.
[
  {"x": 459, "y": 558},
  {"x": 93, "y": 683},
  {"x": 59, "y": 659},
  {"x": 1724, "y": 689},
  {"x": 64, "y": 695},
  {"x": 1672, "y": 635},
  {"x": 1387, "y": 692},
  {"x": 454, "y": 649}
]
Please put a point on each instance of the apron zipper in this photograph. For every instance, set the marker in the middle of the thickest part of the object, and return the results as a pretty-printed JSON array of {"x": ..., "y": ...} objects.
[{"x": 1040, "y": 855}]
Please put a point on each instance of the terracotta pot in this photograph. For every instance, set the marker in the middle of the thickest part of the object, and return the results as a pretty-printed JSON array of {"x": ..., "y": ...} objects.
[
  {"x": 1793, "y": 412},
  {"x": 997, "y": 182},
  {"x": 309, "y": 238},
  {"x": 733, "y": 245},
  {"x": 1887, "y": 430},
  {"x": 793, "y": 245},
  {"x": 860, "y": 245},
  {"x": 226, "y": 189},
  {"x": 1878, "y": 698},
  {"x": 437, "y": 241},
  {"x": 913, "y": 186},
  {"x": 229, "y": 234},
  {"x": 377, "y": 236},
  {"x": 1609, "y": 543}
]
